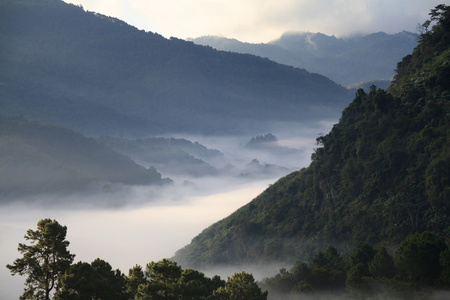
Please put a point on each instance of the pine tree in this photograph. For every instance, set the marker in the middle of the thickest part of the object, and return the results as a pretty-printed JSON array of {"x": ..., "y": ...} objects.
[{"x": 44, "y": 261}]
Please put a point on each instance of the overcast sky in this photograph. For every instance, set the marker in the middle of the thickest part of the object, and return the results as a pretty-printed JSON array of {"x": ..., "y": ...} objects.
[{"x": 260, "y": 21}]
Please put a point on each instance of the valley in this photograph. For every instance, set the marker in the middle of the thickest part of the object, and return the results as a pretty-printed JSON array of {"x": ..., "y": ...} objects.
[{"x": 149, "y": 148}]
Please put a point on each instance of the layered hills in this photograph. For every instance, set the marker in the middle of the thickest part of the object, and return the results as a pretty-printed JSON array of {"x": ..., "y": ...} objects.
[
  {"x": 37, "y": 160},
  {"x": 62, "y": 65},
  {"x": 380, "y": 174},
  {"x": 348, "y": 61}
]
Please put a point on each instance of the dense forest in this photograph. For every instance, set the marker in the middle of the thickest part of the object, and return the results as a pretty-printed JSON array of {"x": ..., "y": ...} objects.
[
  {"x": 420, "y": 266},
  {"x": 66, "y": 66},
  {"x": 379, "y": 175},
  {"x": 422, "y": 261}
]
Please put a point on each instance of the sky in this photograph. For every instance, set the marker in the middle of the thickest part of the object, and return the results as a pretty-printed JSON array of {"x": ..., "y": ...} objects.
[{"x": 261, "y": 21}]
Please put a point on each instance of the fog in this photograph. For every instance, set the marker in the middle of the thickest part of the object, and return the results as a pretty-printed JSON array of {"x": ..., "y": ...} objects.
[
  {"x": 135, "y": 234},
  {"x": 129, "y": 225}
]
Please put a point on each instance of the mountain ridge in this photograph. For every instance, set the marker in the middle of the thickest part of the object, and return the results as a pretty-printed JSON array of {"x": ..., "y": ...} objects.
[
  {"x": 38, "y": 160},
  {"x": 348, "y": 61},
  {"x": 100, "y": 76},
  {"x": 380, "y": 174}
]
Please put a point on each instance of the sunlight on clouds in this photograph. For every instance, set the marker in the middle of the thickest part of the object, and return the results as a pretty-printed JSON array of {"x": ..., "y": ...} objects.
[{"x": 261, "y": 21}]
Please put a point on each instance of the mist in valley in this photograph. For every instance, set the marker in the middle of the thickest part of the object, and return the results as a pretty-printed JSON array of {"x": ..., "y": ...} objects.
[{"x": 127, "y": 225}]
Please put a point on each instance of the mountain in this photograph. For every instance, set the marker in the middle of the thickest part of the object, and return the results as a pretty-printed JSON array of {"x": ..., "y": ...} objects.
[
  {"x": 169, "y": 155},
  {"x": 177, "y": 157},
  {"x": 380, "y": 174},
  {"x": 98, "y": 75},
  {"x": 347, "y": 61},
  {"x": 40, "y": 159}
]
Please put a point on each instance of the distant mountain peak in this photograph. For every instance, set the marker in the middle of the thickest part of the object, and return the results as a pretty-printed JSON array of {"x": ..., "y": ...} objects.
[
  {"x": 99, "y": 75},
  {"x": 347, "y": 60}
]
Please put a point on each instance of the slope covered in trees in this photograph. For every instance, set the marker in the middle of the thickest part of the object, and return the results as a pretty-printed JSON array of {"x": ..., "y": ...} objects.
[
  {"x": 65, "y": 66},
  {"x": 379, "y": 175},
  {"x": 347, "y": 61},
  {"x": 38, "y": 159},
  {"x": 418, "y": 269}
]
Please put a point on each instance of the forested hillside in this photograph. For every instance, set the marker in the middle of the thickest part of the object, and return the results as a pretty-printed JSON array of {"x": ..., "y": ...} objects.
[
  {"x": 62, "y": 65},
  {"x": 347, "y": 61},
  {"x": 40, "y": 159},
  {"x": 379, "y": 175}
]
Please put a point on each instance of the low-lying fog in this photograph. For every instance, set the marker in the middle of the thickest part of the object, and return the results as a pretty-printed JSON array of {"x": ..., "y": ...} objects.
[{"x": 155, "y": 221}]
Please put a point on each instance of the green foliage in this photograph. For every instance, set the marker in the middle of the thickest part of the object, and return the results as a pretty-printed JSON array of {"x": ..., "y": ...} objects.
[
  {"x": 135, "y": 278},
  {"x": 418, "y": 258},
  {"x": 444, "y": 260},
  {"x": 240, "y": 286},
  {"x": 382, "y": 264},
  {"x": 361, "y": 256},
  {"x": 420, "y": 266},
  {"x": 380, "y": 174},
  {"x": 44, "y": 261},
  {"x": 325, "y": 272},
  {"x": 83, "y": 281},
  {"x": 163, "y": 278},
  {"x": 167, "y": 280}
]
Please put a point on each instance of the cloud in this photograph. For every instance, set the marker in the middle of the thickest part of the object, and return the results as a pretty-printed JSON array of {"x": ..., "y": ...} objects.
[{"x": 263, "y": 20}]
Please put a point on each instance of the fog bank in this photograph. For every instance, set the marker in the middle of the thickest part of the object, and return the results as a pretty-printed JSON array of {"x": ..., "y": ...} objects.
[{"x": 126, "y": 237}]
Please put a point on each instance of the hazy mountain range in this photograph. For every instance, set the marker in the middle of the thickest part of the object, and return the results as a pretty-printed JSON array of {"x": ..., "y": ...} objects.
[
  {"x": 348, "y": 61},
  {"x": 38, "y": 160},
  {"x": 62, "y": 65}
]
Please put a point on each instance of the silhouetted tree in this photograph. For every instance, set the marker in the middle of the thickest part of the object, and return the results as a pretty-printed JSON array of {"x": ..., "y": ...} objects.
[{"x": 44, "y": 261}]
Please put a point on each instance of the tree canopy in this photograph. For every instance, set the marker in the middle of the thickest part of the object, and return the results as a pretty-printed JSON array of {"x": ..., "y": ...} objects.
[{"x": 44, "y": 261}]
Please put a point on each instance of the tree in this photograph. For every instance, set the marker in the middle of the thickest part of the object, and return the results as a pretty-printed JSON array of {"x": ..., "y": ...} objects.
[
  {"x": 162, "y": 282},
  {"x": 193, "y": 285},
  {"x": 327, "y": 269},
  {"x": 135, "y": 278},
  {"x": 382, "y": 264},
  {"x": 110, "y": 284},
  {"x": 445, "y": 263},
  {"x": 93, "y": 281},
  {"x": 44, "y": 261},
  {"x": 241, "y": 286},
  {"x": 418, "y": 258},
  {"x": 362, "y": 254},
  {"x": 77, "y": 283}
]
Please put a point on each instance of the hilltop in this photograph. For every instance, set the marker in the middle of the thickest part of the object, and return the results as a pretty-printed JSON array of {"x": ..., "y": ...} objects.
[
  {"x": 380, "y": 174},
  {"x": 348, "y": 61},
  {"x": 38, "y": 160},
  {"x": 65, "y": 66}
]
